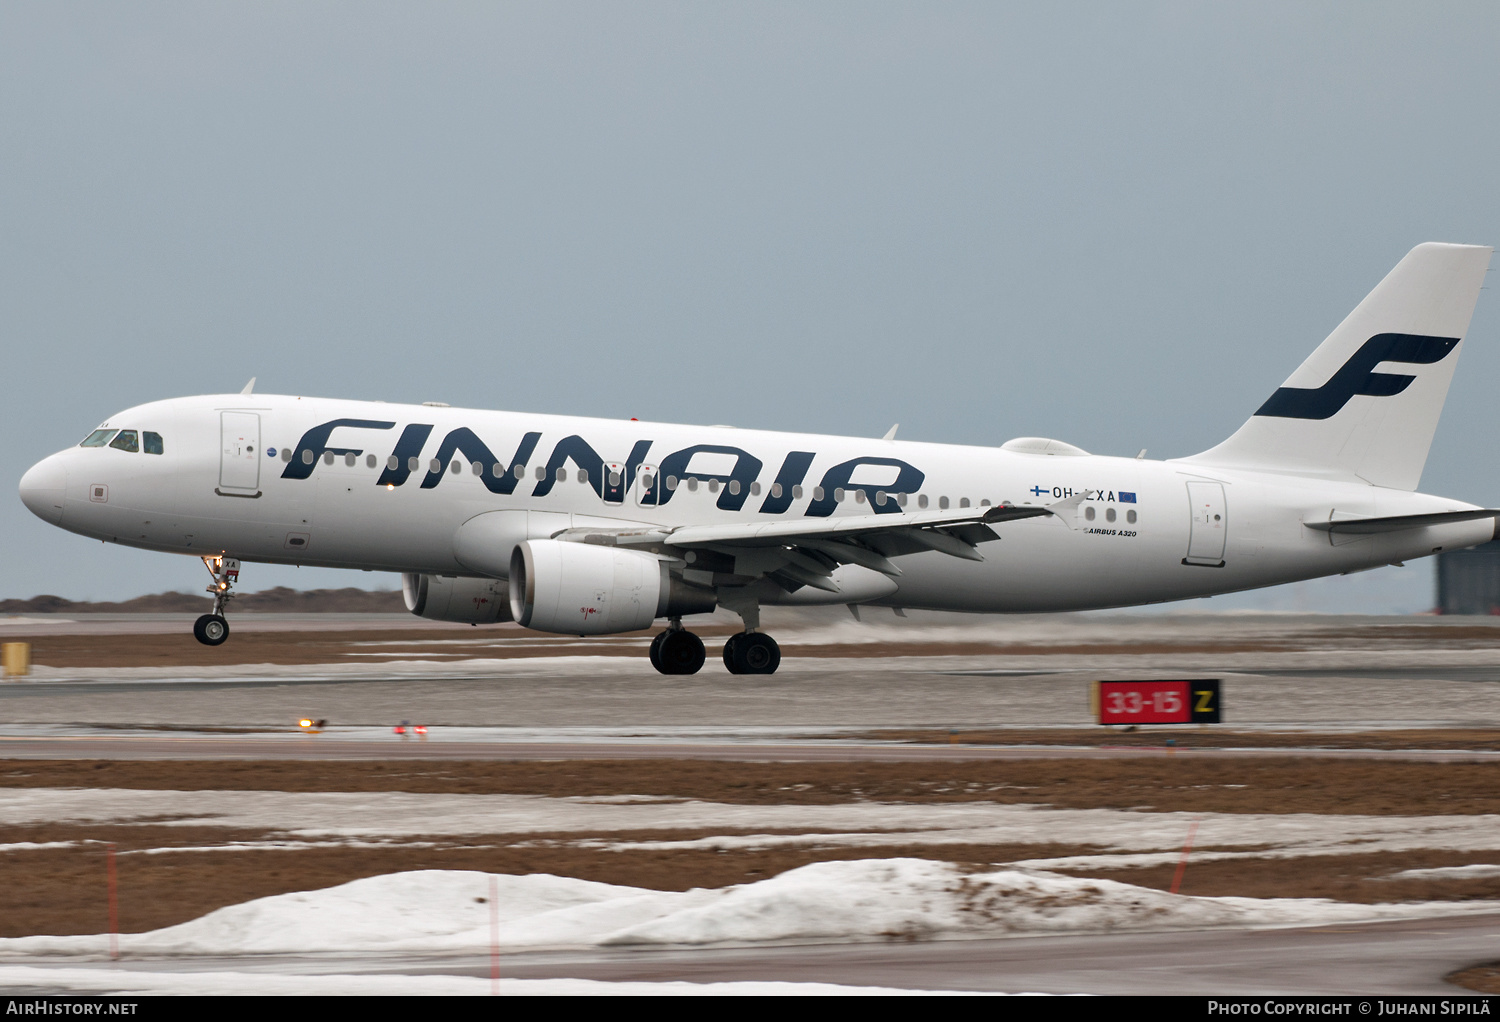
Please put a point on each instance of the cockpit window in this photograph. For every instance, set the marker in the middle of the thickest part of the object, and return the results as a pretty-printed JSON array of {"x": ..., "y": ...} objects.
[
  {"x": 98, "y": 438},
  {"x": 153, "y": 442},
  {"x": 126, "y": 441}
]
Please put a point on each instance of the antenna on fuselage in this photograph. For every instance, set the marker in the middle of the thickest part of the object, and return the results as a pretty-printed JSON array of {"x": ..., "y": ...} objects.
[
  {"x": 890, "y": 434},
  {"x": 249, "y": 387}
]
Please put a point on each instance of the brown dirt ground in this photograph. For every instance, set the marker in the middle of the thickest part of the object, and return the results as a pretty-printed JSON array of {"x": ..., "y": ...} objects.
[
  {"x": 1195, "y": 737},
  {"x": 1357, "y": 878},
  {"x": 1167, "y": 784},
  {"x": 1483, "y": 978}
]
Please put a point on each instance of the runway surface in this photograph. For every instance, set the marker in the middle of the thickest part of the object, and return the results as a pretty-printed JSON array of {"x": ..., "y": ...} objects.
[
  {"x": 311, "y": 747},
  {"x": 1393, "y": 958}
]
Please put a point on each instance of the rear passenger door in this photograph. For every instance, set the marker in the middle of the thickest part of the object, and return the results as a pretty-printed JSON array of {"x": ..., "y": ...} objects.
[{"x": 1210, "y": 524}]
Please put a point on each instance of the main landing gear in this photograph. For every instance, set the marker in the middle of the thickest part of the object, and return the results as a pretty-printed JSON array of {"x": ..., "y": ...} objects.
[
  {"x": 751, "y": 653},
  {"x": 211, "y": 629},
  {"x": 677, "y": 650}
]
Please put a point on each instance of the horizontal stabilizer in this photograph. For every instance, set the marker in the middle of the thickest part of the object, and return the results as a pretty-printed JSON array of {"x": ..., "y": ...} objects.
[{"x": 1398, "y": 523}]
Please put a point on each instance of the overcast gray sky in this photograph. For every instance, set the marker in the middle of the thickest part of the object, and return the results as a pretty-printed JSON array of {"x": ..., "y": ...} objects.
[{"x": 1121, "y": 225}]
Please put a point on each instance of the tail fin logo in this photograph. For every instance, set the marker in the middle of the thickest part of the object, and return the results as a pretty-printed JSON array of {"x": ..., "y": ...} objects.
[{"x": 1358, "y": 376}]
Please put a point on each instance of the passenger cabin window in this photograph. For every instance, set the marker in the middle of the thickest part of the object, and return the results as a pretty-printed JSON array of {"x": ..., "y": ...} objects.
[
  {"x": 152, "y": 442},
  {"x": 126, "y": 441},
  {"x": 98, "y": 438}
]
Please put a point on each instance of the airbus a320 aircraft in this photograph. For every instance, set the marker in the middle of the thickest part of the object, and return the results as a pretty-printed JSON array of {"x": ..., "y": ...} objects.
[{"x": 592, "y": 526}]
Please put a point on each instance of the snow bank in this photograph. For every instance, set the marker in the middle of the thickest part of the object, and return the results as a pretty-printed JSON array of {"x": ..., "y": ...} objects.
[{"x": 872, "y": 899}]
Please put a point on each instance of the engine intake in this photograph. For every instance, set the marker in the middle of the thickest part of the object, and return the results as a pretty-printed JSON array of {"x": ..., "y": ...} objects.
[
  {"x": 585, "y": 589},
  {"x": 476, "y": 601}
]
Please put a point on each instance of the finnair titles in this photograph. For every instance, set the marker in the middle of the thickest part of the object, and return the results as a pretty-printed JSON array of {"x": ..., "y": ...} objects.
[{"x": 593, "y": 526}]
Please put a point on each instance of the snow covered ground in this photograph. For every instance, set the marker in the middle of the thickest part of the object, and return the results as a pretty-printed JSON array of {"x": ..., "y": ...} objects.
[
  {"x": 1128, "y": 838},
  {"x": 437, "y": 911}
]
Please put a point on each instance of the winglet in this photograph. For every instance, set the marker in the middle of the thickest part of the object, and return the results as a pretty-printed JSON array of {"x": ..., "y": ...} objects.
[{"x": 249, "y": 387}]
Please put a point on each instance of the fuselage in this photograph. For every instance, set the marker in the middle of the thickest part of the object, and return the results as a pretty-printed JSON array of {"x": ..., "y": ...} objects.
[{"x": 387, "y": 487}]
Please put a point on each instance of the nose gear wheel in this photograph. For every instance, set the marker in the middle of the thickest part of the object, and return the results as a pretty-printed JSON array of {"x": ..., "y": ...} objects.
[{"x": 211, "y": 630}]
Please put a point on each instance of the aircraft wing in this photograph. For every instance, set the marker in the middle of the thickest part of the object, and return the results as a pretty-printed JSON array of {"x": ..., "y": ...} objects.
[{"x": 806, "y": 551}]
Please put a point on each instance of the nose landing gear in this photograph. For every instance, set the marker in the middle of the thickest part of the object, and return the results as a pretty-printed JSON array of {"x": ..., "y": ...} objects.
[{"x": 211, "y": 629}]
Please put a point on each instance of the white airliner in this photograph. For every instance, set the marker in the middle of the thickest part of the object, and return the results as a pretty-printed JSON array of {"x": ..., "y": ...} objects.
[{"x": 592, "y": 526}]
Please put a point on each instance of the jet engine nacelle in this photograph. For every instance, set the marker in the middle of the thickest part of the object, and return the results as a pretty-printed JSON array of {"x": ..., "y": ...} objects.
[
  {"x": 586, "y": 589},
  {"x": 476, "y": 601}
]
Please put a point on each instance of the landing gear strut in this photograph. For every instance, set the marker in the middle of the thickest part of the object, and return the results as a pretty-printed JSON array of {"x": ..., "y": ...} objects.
[
  {"x": 211, "y": 629},
  {"x": 677, "y": 650},
  {"x": 751, "y": 651}
]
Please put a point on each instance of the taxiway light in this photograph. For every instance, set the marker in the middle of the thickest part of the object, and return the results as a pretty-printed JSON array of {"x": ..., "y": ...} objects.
[{"x": 304, "y": 722}]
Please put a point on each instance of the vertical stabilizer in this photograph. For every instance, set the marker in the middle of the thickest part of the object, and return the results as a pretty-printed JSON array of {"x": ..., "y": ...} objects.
[{"x": 1366, "y": 403}]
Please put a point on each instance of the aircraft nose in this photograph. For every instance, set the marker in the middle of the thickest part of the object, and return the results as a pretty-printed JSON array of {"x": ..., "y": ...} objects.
[{"x": 43, "y": 488}]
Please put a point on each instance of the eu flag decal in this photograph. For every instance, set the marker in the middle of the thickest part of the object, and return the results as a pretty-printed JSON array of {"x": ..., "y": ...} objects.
[{"x": 1127, "y": 498}]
